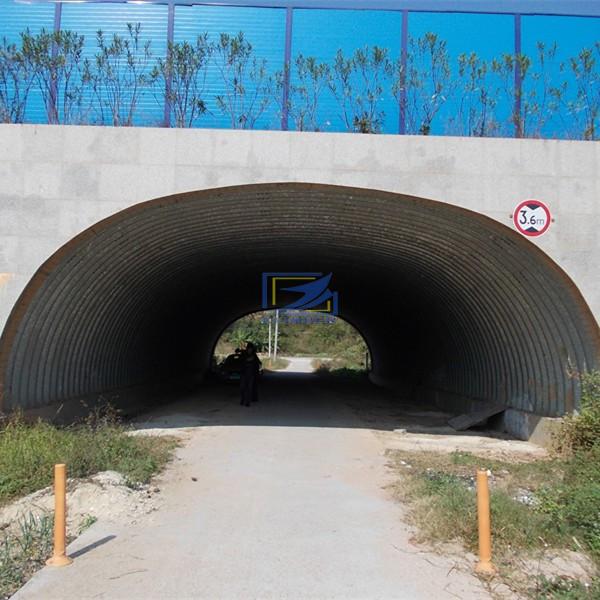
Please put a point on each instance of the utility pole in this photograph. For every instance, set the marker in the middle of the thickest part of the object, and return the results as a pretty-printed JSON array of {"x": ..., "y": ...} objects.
[{"x": 276, "y": 334}]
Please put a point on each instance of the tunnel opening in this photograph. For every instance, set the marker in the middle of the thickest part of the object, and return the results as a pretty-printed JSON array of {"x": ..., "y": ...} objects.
[
  {"x": 292, "y": 341},
  {"x": 458, "y": 309}
]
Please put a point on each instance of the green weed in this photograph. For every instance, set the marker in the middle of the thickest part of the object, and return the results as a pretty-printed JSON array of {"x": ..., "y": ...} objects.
[
  {"x": 564, "y": 511},
  {"x": 23, "y": 553},
  {"x": 581, "y": 431},
  {"x": 561, "y": 588},
  {"x": 28, "y": 453}
]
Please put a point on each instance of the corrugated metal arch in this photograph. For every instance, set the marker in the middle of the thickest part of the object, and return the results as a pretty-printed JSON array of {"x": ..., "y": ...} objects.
[{"x": 445, "y": 297}]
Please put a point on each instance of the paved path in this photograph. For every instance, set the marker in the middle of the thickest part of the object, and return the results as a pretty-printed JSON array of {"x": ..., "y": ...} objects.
[
  {"x": 288, "y": 503},
  {"x": 299, "y": 364}
]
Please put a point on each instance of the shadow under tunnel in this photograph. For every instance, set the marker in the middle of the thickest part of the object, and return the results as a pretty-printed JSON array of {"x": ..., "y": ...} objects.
[
  {"x": 455, "y": 307},
  {"x": 299, "y": 399}
]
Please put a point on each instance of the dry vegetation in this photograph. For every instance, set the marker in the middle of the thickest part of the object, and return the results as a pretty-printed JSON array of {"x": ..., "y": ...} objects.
[
  {"x": 538, "y": 507},
  {"x": 28, "y": 453}
]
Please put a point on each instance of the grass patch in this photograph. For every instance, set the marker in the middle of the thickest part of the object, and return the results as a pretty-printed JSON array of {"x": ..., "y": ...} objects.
[
  {"x": 338, "y": 367},
  {"x": 442, "y": 491},
  {"x": 581, "y": 430},
  {"x": 573, "y": 503},
  {"x": 561, "y": 588},
  {"x": 535, "y": 506},
  {"x": 24, "y": 553},
  {"x": 28, "y": 453}
]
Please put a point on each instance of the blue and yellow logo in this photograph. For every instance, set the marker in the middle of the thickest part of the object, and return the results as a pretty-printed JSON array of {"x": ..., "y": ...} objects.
[{"x": 300, "y": 291}]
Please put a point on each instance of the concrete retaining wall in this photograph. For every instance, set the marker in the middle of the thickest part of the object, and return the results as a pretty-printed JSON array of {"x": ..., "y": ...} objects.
[{"x": 56, "y": 181}]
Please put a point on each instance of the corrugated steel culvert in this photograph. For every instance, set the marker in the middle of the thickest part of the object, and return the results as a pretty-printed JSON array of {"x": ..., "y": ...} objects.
[{"x": 446, "y": 298}]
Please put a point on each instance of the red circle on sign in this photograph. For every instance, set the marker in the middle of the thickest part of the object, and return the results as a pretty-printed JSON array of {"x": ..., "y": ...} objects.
[{"x": 528, "y": 224}]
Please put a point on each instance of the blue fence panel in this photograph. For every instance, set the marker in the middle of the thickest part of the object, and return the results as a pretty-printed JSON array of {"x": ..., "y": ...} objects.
[
  {"x": 551, "y": 116},
  {"x": 320, "y": 33},
  {"x": 16, "y": 18},
  {"x": 489, "y": 37},
  {"x": 264, "y": 28},
  {"x": 112, "y": 19},
  {"x": 550, "y": 106}
]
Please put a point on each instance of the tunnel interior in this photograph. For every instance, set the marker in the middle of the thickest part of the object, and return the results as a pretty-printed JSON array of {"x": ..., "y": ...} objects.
[{"x": 449, "y": 301}]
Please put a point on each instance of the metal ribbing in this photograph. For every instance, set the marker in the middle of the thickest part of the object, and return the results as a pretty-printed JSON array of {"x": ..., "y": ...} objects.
[{"x": 473, "y": 307}]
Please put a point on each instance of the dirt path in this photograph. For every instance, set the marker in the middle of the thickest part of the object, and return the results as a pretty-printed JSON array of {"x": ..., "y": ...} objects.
[{"x": 282, "y": 500}]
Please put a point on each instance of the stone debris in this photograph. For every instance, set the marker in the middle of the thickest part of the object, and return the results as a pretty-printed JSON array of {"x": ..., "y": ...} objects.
[
  {"x": 571, "y": 564},
  {"x": 526, "y": 497},
  {"x": 557, "y": 564}
]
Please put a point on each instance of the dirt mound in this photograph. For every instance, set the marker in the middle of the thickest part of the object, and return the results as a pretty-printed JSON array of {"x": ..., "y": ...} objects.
[{"x": 105, "y": 496}]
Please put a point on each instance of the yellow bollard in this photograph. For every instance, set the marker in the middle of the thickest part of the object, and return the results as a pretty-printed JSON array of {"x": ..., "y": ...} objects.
[
  {"x": 484, "y": 565},
  {"x": 59, "y": 557}
]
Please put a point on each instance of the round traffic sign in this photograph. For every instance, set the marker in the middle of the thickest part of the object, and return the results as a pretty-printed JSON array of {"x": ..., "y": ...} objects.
[{"x": 532, "y": 218}]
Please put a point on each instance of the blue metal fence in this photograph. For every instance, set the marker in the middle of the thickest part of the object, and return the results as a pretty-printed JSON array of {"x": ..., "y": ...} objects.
[
  {"x": 264, "y": 28},
  {"x": 280, "y": 31}
]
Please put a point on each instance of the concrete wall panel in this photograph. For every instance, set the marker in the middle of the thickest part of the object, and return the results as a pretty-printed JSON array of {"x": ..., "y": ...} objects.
[{"x": 57, "y": 181}]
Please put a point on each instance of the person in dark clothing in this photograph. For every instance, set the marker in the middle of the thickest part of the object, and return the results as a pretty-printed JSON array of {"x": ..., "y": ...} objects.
[{"x": 250, "y": 366}]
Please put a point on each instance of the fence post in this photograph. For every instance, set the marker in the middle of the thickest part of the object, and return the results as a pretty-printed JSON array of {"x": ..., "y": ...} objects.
[
  {"x": 53, "y": 116},
  {"x": 168, "y": 81},
  {"x": 518, "y": 79},
  {"x": 59, "y": 557},
  {"x": 484, "y": 565},
  {"x": 403, "y": 62},
  {"x": 287, "y": 66}
]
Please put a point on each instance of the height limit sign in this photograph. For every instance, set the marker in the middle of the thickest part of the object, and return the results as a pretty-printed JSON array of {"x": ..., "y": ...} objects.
[{"x": 532, "y": 218}]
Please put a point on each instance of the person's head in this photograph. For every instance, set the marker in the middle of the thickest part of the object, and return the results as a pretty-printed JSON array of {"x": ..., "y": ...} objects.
[{"x": 250, "y": 348}]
